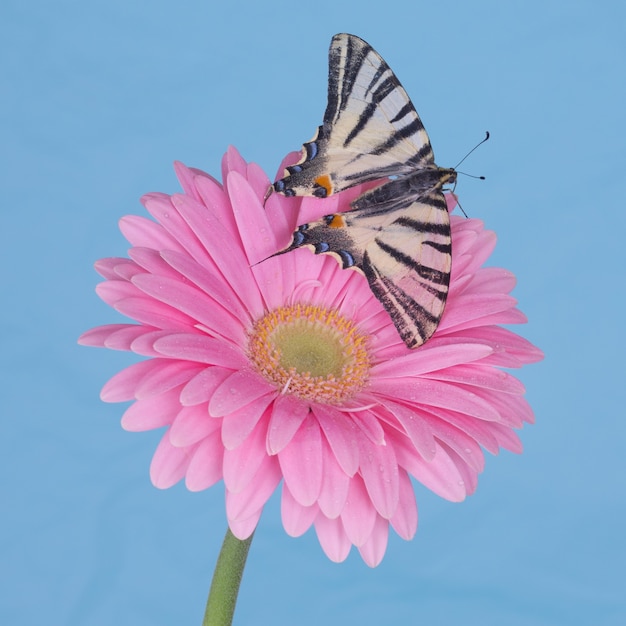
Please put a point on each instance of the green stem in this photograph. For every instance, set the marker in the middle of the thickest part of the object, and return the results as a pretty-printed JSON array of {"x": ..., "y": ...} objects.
[{"x": 220, "y": 606}]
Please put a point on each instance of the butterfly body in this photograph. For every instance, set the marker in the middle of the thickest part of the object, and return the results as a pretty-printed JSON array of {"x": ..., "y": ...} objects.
[{"x": 398, "y": 233}]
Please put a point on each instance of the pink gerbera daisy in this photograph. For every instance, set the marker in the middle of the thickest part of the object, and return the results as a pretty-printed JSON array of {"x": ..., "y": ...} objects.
[{"x": 288, "y": 369}]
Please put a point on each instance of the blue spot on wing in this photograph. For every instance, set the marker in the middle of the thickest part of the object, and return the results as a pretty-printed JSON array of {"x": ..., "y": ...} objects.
[{"x": 346, "y": 258}]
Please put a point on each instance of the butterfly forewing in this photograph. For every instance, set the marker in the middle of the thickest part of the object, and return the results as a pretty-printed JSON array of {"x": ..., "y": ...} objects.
[
  {"x": 397, "y": 234},
  {"x": 370, "y": 131}
]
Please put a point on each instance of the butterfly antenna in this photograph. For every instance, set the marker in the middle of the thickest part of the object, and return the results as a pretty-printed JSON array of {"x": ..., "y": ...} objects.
[{"x": 470, "y": 152}]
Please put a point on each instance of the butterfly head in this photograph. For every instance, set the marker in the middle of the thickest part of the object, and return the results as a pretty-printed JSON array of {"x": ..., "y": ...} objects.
[{"x": 447, "y": 176}]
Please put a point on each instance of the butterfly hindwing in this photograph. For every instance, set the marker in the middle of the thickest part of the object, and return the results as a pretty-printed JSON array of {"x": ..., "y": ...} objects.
[
  {"x": 404, "y": 252},
  {"x": 398, "y": 233}
]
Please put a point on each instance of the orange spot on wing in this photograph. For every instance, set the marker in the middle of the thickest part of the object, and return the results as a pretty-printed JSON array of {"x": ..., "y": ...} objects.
[
  {"x": 324, "y": 181},
  {"x": 337, "y": 222}
]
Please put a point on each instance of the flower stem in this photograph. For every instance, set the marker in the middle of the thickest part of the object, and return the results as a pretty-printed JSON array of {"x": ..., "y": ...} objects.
[{"x": 220, "y": 606}]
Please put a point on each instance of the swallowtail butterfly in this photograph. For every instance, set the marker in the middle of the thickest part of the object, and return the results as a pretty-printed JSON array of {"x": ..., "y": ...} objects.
[{"x": 396, "y": 234}]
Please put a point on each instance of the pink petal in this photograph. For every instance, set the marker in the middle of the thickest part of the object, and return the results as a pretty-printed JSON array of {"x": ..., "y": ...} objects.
[
  {"x": 482, "y": 248},
  {"x": 227, "y": 254},
  {"x": 214, "y": 286},
  {"x": 114, "y": 291},
  {"x": 259, "y": 242},
  {"x": 492, "y": 280},
  {"x": 506, "y": 438},
  {"x": 238, "y": 390},
  {"x": 297, "y": 519},
  {"x": 202, "y": 386},
  {"x": 440, "y": 475},
  {"x": 242, "y": 529},
  {"x": 379, "y": 468},
  {"x": 122, "y": 386},
  {"x": 455, "y": 439},
  {"x": 332, "y": 538},
  {"x": 410, "y": 419},
  {"x": 341, "y": 435},
  {"x": 429, "y": 359},
  {"x": 108, "y": 267},
  {"x": 194, "y": 303},
  {"x": 288, "y": 413},
  {"x": 257, "y": 235},
  {"x": 144, "y": 344},
  {"x": 358, "y": 515},
  {"x": 513, "y": 410},
  {"x": 502, "y": 340},
  {"x": 169, "y": 464},
  {"x": 152, "y": 262},
  {"x": 477, "y": 429},
  {"x": 186, "y": 177},
  {"x": 430, "y": 392},
  {"x": 468, "y": 475},
  {"x": 152, "y": 313},
  {"x": 192, "y": 424},
  {"x": 475, "y": 375},
  {"x": 240, "y": 506},
  {"x": 142, "y": 232},
  {"x": 152, "y": 412},
  {"x": 404, "y": 520},
  {"x": 369, "y": 425},
  {"x": 373, "y": 550},
  {"x": 190, "y": 177},
  {"x": 464, "y": 240},
  {"x": 290, "y": 159},
  {"x": 213, "y": 196},
  {"x": 99, "y": 336},
  {"x": 258, "y": 179},
  {"x": 171, "y": 374},
  {"x": 205, "y": 468},
  {"x": 167, "y": 213},
  {"x": 126, "y": 338},
  {"x": 335, "y": 485},
  {"x": 468, "y": 308},
  {"x": 232, "y": 161},
  {"x": 237, "y": 426},
  {"x": 242, "y": 463},
  {"x": 301, "y": 463},
  {"x": 200, "y": 348}
]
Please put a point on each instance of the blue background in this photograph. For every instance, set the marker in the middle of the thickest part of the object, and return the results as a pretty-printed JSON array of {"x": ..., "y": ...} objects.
[{"x": 99, "y": 97}]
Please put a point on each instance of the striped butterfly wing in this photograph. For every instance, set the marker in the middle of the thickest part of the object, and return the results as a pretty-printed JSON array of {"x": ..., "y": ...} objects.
[
  {"x": 397, "y": 234},
  {"x": 370, "y": 131},
  {"x": 401, "y": 245}
]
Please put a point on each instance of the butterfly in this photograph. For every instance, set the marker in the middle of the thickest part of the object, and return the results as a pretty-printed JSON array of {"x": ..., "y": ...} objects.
[{"x": 398, "y": 233}]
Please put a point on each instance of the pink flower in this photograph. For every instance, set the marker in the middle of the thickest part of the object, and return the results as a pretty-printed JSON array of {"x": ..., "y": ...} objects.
[{"x": 289, "y": 369}]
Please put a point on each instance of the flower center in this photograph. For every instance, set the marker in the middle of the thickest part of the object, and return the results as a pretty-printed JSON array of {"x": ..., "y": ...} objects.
[{"x": 311, "y": 352}]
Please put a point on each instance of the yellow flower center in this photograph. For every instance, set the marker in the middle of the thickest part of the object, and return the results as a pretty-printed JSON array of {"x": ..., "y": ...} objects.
[{"x": 311, "y": 352}]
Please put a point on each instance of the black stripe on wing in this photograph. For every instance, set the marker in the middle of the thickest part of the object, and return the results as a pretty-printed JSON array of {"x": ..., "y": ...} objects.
[
  {"x": 431, "y": 274},
  {"x": 400, "y": 135},
  {"x": 382, "y": 91},
  {"x": 344, "y": 62},
  {"x": 421, "y": 226},
  {"x": 414, "y": 322}
]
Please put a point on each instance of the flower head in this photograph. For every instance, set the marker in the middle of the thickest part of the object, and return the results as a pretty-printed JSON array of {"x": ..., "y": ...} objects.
[{"x": 288, "y": 369}]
